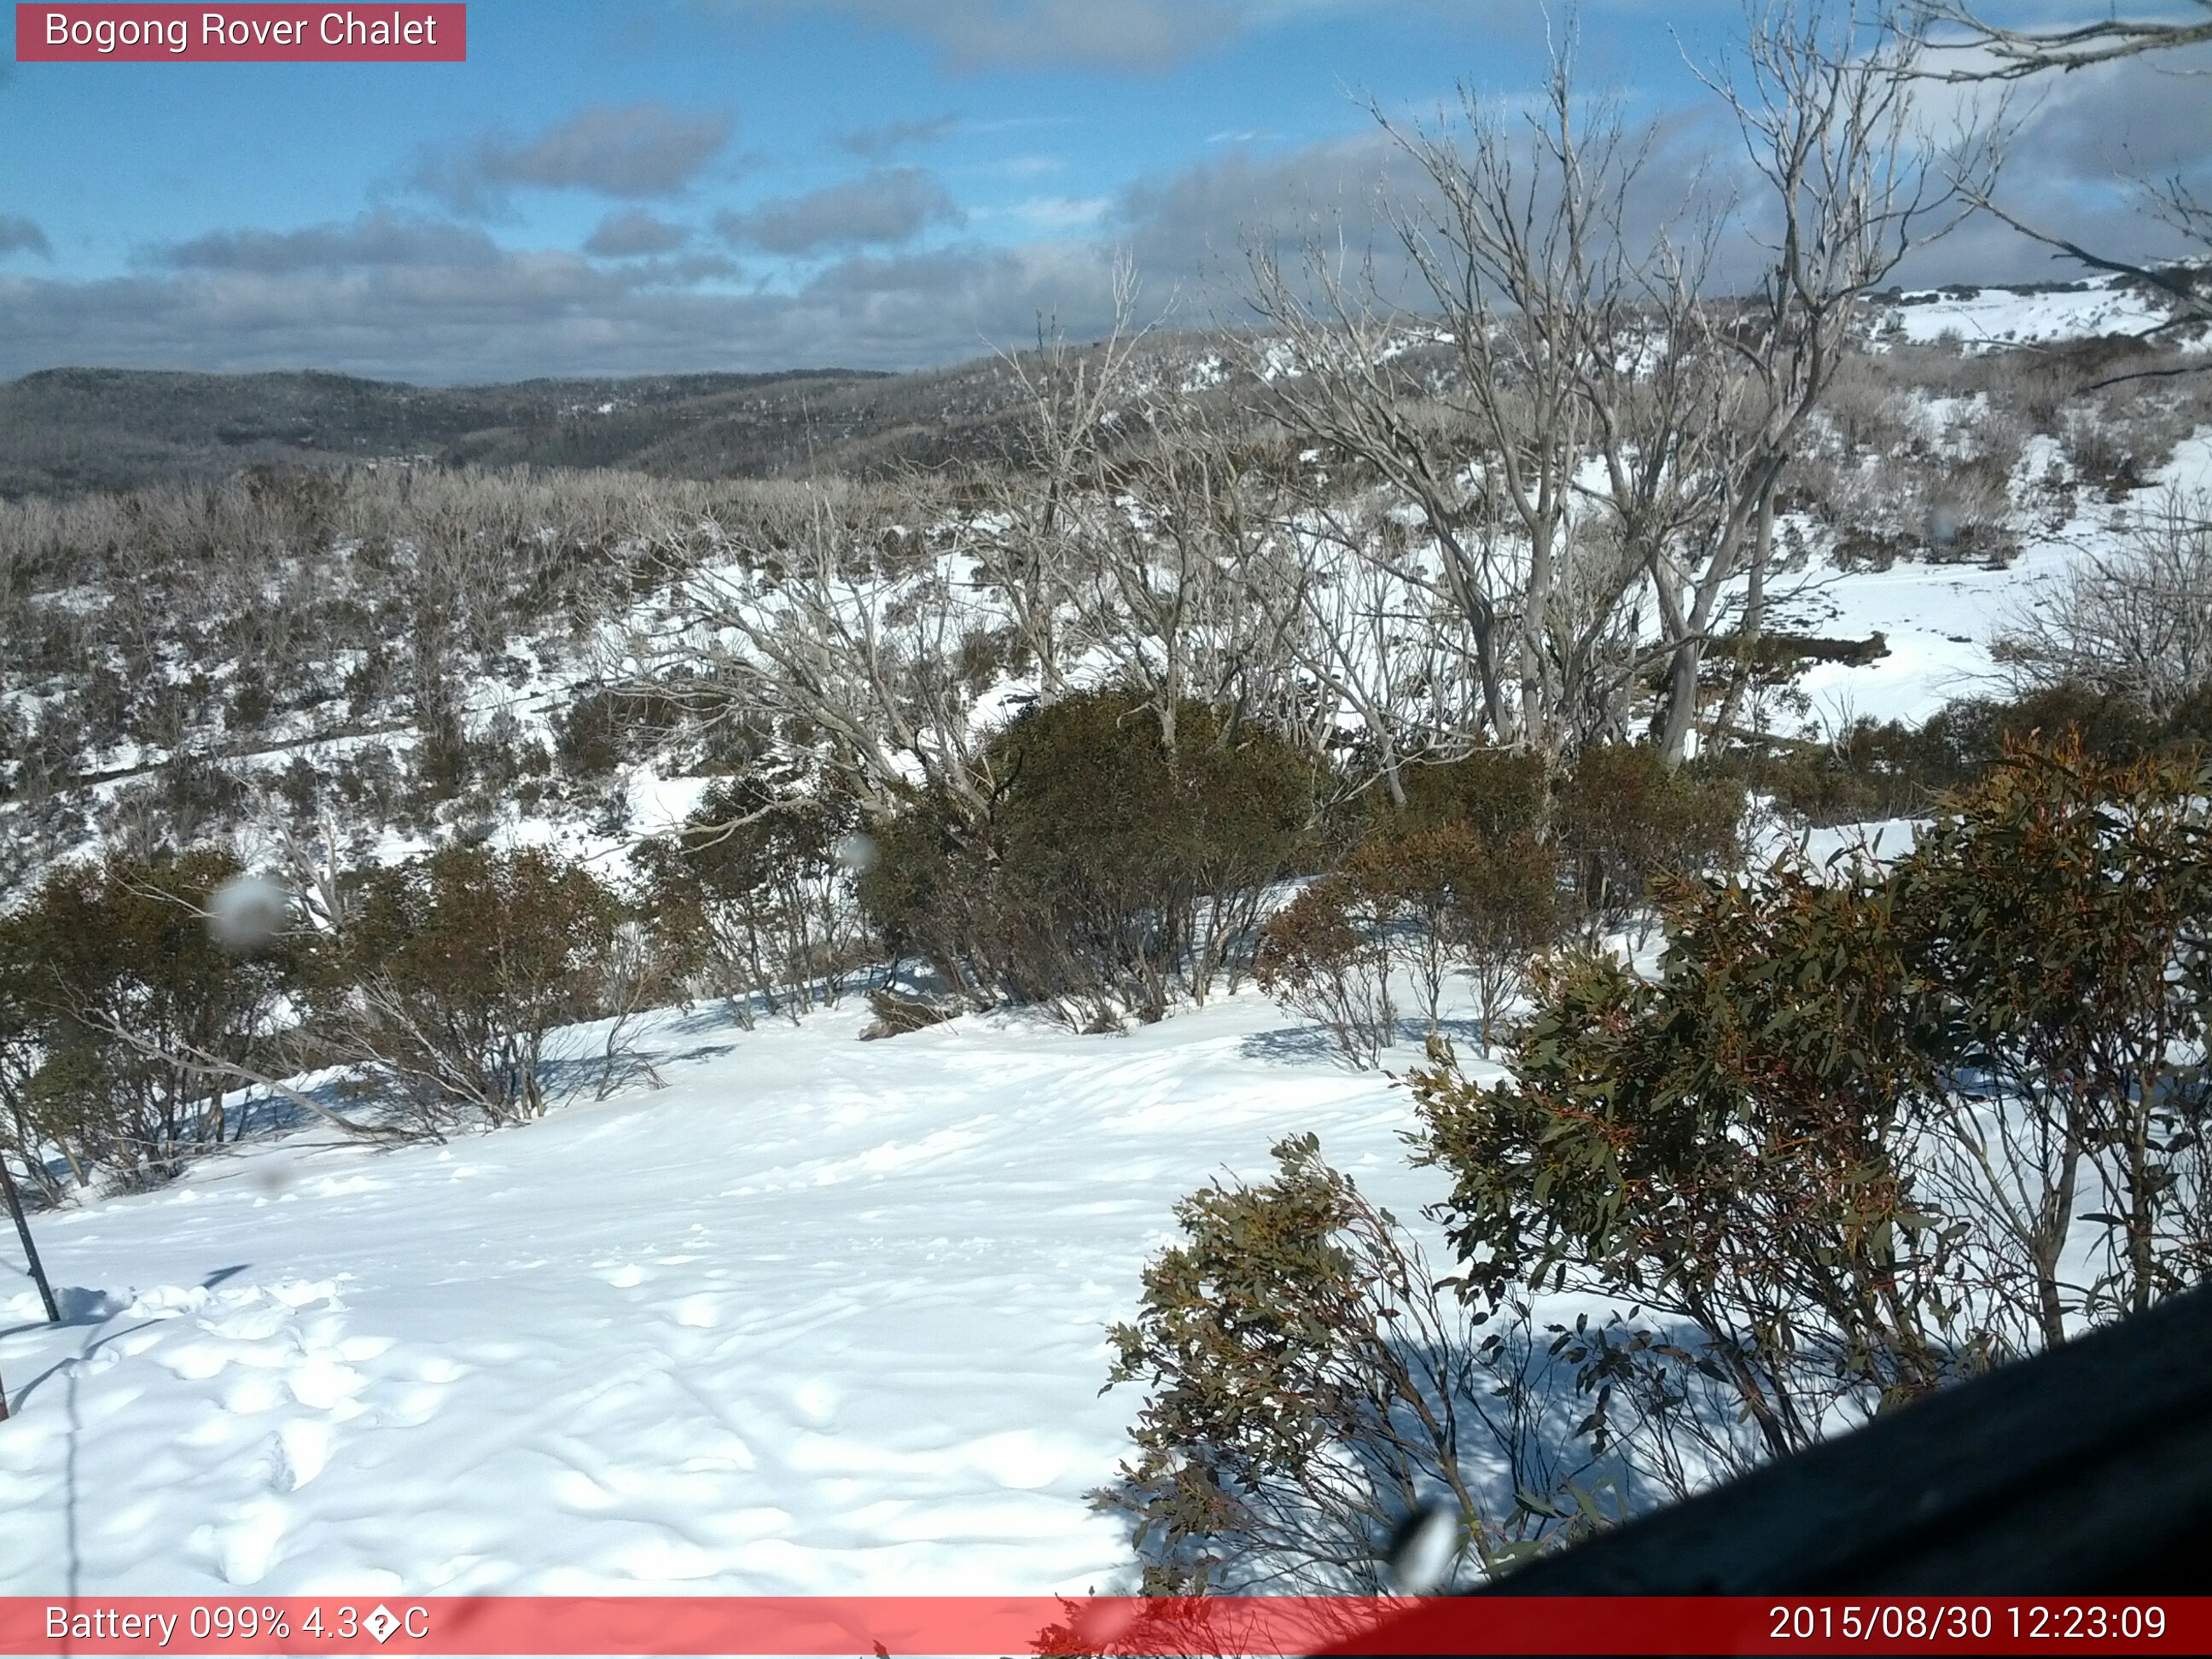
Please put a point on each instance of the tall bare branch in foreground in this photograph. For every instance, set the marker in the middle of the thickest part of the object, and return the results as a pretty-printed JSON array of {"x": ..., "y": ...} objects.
[{"x": 2015, "y": 54}]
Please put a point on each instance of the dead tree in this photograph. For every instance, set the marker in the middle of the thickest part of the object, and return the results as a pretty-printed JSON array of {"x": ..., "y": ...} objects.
[
  {"x": 1188, "y": 580},
  {"x": 2015, "y": 54},
  {"x": 2135, "y": 623},
  {"x": 1343, "y": 393},
  {"x": 841, "y": 622},
  {"x": 1374, "y": 640},
  {"x": 1824, "y": 102},
  {"x": 1569, "y": 291},
  {"x": 1025, "y": 541},
  {"x": 1506, "y": 244}
]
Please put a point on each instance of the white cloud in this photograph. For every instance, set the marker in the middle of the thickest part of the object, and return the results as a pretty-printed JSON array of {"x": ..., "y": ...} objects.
[{"x": 628, "y": 151}]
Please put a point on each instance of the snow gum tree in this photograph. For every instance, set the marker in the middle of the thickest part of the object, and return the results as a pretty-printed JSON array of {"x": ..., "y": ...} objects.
[
  {"x": 1568, "y": 323},
  {"x": 1848, "y": 184}
]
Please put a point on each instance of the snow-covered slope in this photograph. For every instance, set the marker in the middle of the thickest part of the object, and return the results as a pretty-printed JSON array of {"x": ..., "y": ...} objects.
[
  {"x": 1938, "y": 619},
  {"x": 819, "y": 1315},
  {"x": 1991, "y": 318}
]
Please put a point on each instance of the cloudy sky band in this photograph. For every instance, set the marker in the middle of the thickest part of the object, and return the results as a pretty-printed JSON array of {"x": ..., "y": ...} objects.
[{"x": 758, "y": 184}]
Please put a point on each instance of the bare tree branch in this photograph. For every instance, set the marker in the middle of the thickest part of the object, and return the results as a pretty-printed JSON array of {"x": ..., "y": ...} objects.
[
  {"x": 198, "y": 1062},
  {"x": 2015, "y": 54}
]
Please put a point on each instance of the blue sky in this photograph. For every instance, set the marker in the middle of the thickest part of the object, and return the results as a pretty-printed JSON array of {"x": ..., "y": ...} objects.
[{"x": 649, "y": 185}]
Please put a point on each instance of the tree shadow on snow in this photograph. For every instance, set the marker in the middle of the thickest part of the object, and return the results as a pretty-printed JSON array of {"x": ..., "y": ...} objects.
[
  {"x": 1293, "y": 1045},
  {"x": 1311, "y": 1045},
  {"x": 78, "y": 1305},
  {"x": 1522, "y": 1456}
]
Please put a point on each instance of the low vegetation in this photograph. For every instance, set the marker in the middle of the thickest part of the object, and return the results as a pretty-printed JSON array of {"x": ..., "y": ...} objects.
[{"x": 1870, "y": 1128}]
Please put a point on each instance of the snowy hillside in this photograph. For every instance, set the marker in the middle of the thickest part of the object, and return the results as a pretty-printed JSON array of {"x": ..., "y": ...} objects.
[
  {"x": 1994, "y": 317},
  {"x": 814, "y": 1314},
  {"x": 396, "y": 682},
  {"x": 1937, "y": 619},
  {"x": 822, "y": 1316}
]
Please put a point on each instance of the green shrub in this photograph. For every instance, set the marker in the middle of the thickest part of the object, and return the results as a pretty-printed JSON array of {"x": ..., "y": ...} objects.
[
  {"x": 1507, "y": 911},
  {"x": 1626, "y": 820},
  {"x": 2060, "y": 917},
  {"x": 1425, "y": 902},
  {"x": 1496, "y": 792},
  {"x": 755, "y": 893},
  {"x": 929, "y": 893},
  {"x": 1854, "y": 1137},
  {"x": 1884, "y": 769},
  {"x": 1310, "y": 1389},
  {"x": 449, "y": 973},
  {"x": 1325, "y": 956},
  {"x": 121, "y": 1009},
  {"x": 1108, "y": 874},
  {"x": 1721, "y": 1147}
]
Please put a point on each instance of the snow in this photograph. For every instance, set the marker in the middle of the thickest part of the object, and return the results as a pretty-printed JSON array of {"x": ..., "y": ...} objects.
[
  {"x": 660, "y": 805},
  {"x": 818, "y": 1316},
  {"x": 1988, "y": 319},
  {"x": 1938, "y": 619},
  {"x": 1935, "y": 619},
  {"x": 1278, "y": 359}
]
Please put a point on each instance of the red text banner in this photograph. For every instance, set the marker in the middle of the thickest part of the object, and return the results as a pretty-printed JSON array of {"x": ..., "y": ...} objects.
[
  {"x": 85, "y": 32},
  {"x": 1267, "y": 1626}
]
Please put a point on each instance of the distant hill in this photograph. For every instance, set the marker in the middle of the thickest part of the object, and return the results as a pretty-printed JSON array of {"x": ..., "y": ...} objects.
[{"x": 67, "y": 430}]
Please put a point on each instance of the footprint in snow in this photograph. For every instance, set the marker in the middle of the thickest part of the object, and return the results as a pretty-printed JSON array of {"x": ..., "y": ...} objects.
[
  {"x": 1019, "y": 1460},
  {"x": 276, "y": 1349},
  {"x": 245, "y": 1547}
]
